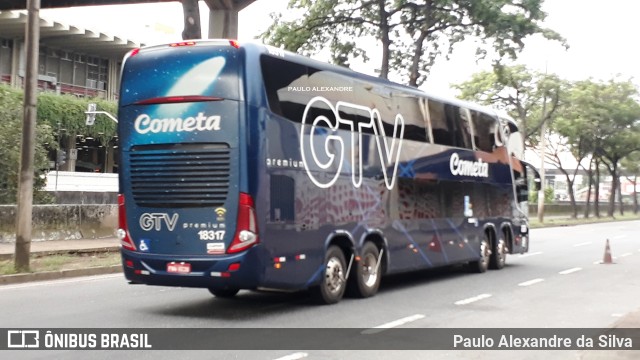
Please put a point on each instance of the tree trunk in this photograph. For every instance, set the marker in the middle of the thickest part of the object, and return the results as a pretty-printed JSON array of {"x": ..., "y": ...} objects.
[
  {"x": 414, "y": 73},
  {"x": 572, "y": 196},
  {"x": 614, "y": 189},
  {"x": 635, "y": 194},
  {"x": 596, "y": 201},
  {"x": 589, "y": 185},
  {"x": 384, "y": 38},
  {"x": 620, "y": 203}
]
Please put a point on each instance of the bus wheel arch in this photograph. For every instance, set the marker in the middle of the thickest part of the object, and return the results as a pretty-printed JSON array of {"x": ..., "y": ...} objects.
[{"x": 366, "y": 272}]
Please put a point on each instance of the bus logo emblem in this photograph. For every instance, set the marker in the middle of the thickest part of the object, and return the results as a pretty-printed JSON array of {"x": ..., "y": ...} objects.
[
  {"x": 461, "y": 167},
  {"x": 388, "y": 151},
  {"x": 154, "y": 221},
  {"x": 220, "y": 212}
]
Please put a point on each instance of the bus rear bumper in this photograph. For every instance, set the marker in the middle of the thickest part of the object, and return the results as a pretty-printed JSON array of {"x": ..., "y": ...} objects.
[{"x": 236, "y": 271}]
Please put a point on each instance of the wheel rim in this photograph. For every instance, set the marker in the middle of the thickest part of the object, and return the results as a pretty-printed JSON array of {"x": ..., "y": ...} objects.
[
  {"x": 486, "y": 253},
  {"x": 369, "y": 273},
  {"x": 501, "y": 251},
  {"x": 334, "y": 276}
]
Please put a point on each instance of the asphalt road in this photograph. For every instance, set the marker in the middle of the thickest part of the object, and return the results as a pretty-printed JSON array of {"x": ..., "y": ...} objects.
[{"x": 558, "y": 284}]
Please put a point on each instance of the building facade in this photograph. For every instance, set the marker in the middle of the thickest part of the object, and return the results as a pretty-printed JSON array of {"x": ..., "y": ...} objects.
[{"x": 74, "y": 61}]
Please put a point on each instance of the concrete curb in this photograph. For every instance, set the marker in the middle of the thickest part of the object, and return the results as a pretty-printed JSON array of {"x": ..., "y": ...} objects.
[{"x": 60, "y": 274}]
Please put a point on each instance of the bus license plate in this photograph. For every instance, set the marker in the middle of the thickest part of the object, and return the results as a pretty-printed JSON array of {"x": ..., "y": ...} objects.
[{"x": 179, "y": 268}]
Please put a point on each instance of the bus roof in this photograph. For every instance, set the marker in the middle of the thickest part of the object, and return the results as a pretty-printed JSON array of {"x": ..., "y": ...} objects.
[{"x": 256, "y": 49}]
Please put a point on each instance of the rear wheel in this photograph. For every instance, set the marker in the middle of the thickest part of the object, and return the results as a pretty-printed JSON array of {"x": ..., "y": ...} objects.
[
  {"x": 365, "y": 276},
  {"x": 224, "y": 292},
  {"x": 333, "y": 284},
  {"x": 498, "y": 253},
  {"x": 481, "y": 265}
]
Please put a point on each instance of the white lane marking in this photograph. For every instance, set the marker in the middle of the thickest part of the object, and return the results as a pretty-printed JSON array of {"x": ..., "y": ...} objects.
[
  {"x": 472, "y": 299},
  {"x": 61, "y": 282},
  {"x": 533, "y": 254},
  {"x": 569, "y": 271},
  {"x": 393, "y": 324},
  {"x": 583, "y": 244},
  {"x": 294, "y": 356},
  {"x": 626, "y": 254},
  {"x": 531, "y": 282}
]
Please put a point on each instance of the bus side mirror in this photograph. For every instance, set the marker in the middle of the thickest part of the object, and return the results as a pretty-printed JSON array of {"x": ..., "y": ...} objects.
[{"x": 537, "y": 182}]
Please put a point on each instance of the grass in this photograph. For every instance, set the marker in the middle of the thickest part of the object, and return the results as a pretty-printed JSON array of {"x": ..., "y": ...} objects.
[
  {"x": 56, "y": 262},
  {"x": 566, "y": 220}
]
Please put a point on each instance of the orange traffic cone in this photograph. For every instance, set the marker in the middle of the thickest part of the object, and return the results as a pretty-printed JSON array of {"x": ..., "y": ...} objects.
[{"x": 607, "y": 254}]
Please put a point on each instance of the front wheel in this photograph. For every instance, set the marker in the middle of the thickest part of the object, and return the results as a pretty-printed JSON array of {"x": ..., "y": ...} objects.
[
  {"x": 224, "y": 292},
  {"x": 365, "y": 276},
  {"x": 481, "y": 265},
  {"x": 333, "y": 284}
]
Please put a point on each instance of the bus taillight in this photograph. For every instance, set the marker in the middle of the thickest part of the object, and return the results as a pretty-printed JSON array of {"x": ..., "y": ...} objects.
[
  {"x": 246, "y": 228},
  {"x": 182, "y": 43},
  {"x": 123, "y": 233}
]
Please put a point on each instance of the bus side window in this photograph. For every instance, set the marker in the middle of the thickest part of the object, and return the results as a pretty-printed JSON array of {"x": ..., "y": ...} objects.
[
  {"x": 281, "y": 78},
  {"x": 458, "y": 126},
  {"x": 442, "y": 133},
  {"x": 414, "y": 122},
  {"x": 464, "y": 129},
  {"x": 485, "y": 128}
]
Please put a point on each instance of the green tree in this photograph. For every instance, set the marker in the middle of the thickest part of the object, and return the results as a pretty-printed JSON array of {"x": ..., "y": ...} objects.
[
  {"x": 607, "y": 115},
  {"x": 65, "y": 115},
  {"x": 54, "y": 113},
  {"x": 67, "y": 112},
  {"x": 10, "y": 139},
  {"x": 555, "y": 154},
  {"x": 631, "y": 168},
  {"x": 411, "y": 34},
  {"x": 530, "y": 97},
  {"x": 549, "y": 196}
]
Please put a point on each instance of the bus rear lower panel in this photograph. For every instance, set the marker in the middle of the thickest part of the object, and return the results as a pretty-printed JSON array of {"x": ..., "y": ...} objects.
[{"x": 205, "y": 272}]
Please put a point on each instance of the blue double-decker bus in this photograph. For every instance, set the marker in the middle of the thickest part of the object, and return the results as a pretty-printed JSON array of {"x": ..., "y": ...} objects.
[{"x": 248, "y": 167}]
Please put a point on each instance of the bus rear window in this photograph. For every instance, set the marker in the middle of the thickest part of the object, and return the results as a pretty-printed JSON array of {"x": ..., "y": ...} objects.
[{"x": 200, "y": 70}]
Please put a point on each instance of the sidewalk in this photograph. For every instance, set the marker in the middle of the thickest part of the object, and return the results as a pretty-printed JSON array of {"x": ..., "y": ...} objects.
[
  {"x": 629, "y": 321},
  {"x": 64, "y": 246}
]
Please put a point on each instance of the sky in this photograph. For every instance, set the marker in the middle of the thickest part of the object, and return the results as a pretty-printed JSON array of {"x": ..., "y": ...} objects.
[{"x": 600, "y": 35}]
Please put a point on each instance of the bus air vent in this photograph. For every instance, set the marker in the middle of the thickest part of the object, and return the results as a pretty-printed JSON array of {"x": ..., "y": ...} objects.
[{"x": 180, "y": 175}]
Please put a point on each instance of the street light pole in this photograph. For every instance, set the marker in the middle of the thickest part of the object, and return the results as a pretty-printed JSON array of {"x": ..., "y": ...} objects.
[{"x": 27, "y": 153}]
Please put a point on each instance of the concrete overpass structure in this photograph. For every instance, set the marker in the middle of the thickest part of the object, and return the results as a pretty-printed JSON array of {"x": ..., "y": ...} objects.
[{"x": 223, "y": 14}]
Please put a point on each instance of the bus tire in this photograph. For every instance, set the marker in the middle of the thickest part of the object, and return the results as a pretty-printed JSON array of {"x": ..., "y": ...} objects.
[
  {"x": 481, "y": 265},
  {"x": 333, "y": 284},
  {"x": 364, "y": 279},
  {"x": 498, "y": 254},
  {"x": 224, "y": 292}
]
